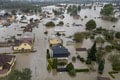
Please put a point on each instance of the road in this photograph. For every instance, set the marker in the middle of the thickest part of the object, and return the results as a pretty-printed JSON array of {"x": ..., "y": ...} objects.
[{"x": 38, "y": 60}]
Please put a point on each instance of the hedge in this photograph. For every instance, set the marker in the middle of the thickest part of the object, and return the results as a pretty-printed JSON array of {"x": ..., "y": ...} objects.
[
  {"x": 82, "y": 70},
  {"x": 116, "y": 68},
  {"x": 113, "y": 72}
]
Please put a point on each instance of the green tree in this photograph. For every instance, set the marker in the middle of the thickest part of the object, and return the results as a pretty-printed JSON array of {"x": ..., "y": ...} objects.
[
  {"x": 50, "y": 24},
  {"x": 79, "y": 8},
  {"x": 14, "y": 75},
  {"x": 101, "y": 66},
  {"x": 48, "y": 54},
  {"x": 54, "y": 64},
  {"x": 107, "y": 10},
  {"x": 100, "y": 40},
  {"x": 117, "y": 35},
  {"x": 78, "y": 37},
  {"x": 109, "y": 35},
  {"x": 70, "y": 69},
  {"x": 73, "y": 58},
  {"x": 73, "y": 10},
  {"x": 90, "y": 25},
  {"x": 92, "y": 53},
  {"x": 61, "y": 23},
  {"x": 99, "y": 55},
  {"x": 26, "y": 74}
]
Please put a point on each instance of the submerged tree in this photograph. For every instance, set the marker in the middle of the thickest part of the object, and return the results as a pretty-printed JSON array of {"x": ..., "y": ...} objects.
[
  {"x": 92, "y": 54},
  {"x": 90, "y": 25},
  {"x": 101, "y": 66},
  {"x": 107, "y": 10}
]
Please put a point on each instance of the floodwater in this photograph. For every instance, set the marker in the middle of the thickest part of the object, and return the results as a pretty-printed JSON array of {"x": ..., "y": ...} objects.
[{"x": 37, "y": 61}]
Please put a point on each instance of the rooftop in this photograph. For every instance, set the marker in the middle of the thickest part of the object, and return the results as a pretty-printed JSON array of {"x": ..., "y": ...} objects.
[{"x": 60, "y": 51}]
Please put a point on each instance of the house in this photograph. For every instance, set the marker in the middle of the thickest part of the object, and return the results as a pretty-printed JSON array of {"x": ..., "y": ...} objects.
[
  {"x": 6, "y": 64},
  {"x": 55, "y": 41},
  {"x": 25, "y": 45},
  {"x": 60, "y": 51},
  {"x": 103, "y": 78},
  {"x": 11, "y": 18}
]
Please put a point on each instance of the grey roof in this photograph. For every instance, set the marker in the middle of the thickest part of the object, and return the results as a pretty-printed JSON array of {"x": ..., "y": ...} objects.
[{"x": 60, "y": 51}]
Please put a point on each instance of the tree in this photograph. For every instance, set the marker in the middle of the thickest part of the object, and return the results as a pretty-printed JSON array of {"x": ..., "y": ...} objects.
[
  {"x": 99, "y": 55},
  {"x": 61, "y": 23},
  {"x": 92, "y": 53},
  {"x": 100, "y": 40},
  {"x": 107, "y": 10},
  {"x": 90, "y": 25},
  {"x": 79, "y": 8},
  {"x": 48, "y": 54},
  {"x": 54, "y": 64},
  {"x": 109, "y": 35},
  {"x": 57, "y": 12},
  {"x": 101, "y": 66},
  {"x": 58, "y": 34},
  {"x": 73, "y": 58},
  {"x": 14, "y": 75},
  {"x": 26, "y": 74},
  {"x": 73, "y": 10},
  {"x": 50, "y": 24},
  {"x": 70, "y": 69},
  {"x": 117, "y": 35},
  {"x": 78, "y": 37}
]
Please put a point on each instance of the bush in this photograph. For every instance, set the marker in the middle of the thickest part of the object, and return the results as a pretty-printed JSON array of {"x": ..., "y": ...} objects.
[
  {"x": 72, "y": 72},
  {"x": 116, "y": 67},
  {"x": 101, "y": 66},
  {"x": 82, "y": 59},
  {"x": 49, "y": 68},
  {"x": 70, "y": 69},
  {"x": 74, "y": 59},
  {"x": 46, "y": 32},
  {"x": 58, "y": 34},
  {"x": 78, "y": 56},
  {"x": 90, "y": 25},
  {"x": 117, "y": 35},
  {"x": 88, "y": 61},
  {"x": 61, "y": 23},
  {"x": 50, "y": 24},
  {"x": 108, "y": 48},
  {"x": 85, "y": 17},
  {"x": 78, "y": 37},
  {"x": 48, "y": 54},
  {"x": 113, "y": 72},
  {"x": 54, "y": 64},
  {"x": 82, "y": 70},
  {"x": 107, "y": 10}
]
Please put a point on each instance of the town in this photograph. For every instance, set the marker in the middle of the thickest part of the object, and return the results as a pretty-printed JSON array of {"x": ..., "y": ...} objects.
[{"x": 62, "y": 41}]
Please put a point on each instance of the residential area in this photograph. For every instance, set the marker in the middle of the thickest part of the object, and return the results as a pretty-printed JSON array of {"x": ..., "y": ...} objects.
[{"x": 75, "y": 41}]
